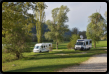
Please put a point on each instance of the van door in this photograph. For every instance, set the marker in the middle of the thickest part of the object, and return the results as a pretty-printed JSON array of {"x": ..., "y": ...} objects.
[
  {"x": 46, "y": 47},
  {"x": 42, "y": 48},
  {"x": 87, "y": 45},
  {"x": 84, "y": 45}
]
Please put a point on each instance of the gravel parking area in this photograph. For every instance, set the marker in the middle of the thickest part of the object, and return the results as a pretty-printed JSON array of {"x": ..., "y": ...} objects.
[{"x": 96, "y": 63}]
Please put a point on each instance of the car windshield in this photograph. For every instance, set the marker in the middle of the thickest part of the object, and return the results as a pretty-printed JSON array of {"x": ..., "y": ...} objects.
[
  {"x": 79, "y": 43},
  {"x": 36, "y": 47}
]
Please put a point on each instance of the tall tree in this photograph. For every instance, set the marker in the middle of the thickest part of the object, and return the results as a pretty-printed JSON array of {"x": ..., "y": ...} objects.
[
  {"x": 105, "y": 34},
  {"x": 16, "y": 41},
  {"x": 105, "y": 15},
  {"x": 95, "y": 27},
  {"x": 40, "y": 17},
  {"x": 57, "y": 27},
  {"x": 16, "y": 24},
  {"x": 75, "y": 30},
  {"x": 83, "y": 33},
  {"x": 14, "y": 13},
  {"x": 67, "y": 35}
]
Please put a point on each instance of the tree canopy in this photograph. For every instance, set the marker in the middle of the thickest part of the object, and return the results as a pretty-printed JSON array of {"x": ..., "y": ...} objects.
[
  {"x": 57, "y": 26},
  {"x": 40, "y": 17},
  {"x": 95, "y": 28},
  {"x": 16, "y": 25},
  {"x": 14, "y": 13}
]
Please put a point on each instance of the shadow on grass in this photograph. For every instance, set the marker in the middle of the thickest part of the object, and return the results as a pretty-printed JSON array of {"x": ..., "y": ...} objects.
[
  {"x": 56, "y": 67},
  {"x": 52, "y": 56},
  {"x": 40, "y": 68},
  {"x": 46, "y": 55}
]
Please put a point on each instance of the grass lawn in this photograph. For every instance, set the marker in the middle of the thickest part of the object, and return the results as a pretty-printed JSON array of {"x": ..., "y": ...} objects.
[
  {"x": 49, "y": 61},
  {"x": 101, "y": 44}
]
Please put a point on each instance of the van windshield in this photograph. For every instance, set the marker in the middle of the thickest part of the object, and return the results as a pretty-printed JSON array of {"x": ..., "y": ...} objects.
[
  {"x": 79, "y": 43},
  {"x": 36, "y": 47}
]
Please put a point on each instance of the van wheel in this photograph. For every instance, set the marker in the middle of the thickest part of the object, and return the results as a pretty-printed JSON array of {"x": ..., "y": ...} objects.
[
  {"x": 81, "y": 49},
  {"x": 89, "y": 48}
]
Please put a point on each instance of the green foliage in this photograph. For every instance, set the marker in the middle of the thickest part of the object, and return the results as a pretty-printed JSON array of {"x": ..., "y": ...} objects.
[
  {"x": 40, "y": 17},
  {"x": 15, "y": 13},
  {"x": 69, "y": 46},
  {"x": 73, "y": 39},
  {"x": 83, "y": 33},
  {"x": 50, "y": 48},
  {"x": 57, "y": 27},
  {"x": 95, "y": 28},
  {"x": 49, "y": 62},
  {"x": 105, "y": 34},
  {"x": 16, "y": 40},
  {"x": 7, "y": 57},
  {"x": 67, "y": 37},
  {"x": 75, "y": 30},
  {"x": 105, "y": 15}
]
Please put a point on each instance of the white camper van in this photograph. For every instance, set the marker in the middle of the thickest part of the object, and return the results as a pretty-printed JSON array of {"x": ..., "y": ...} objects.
[
  {"x": 42, "y": 47},
  {"x": 83, "y": 44}
]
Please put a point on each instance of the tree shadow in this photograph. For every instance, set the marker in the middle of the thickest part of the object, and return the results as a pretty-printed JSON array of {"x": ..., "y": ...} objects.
[
  {"x": 71, "y": 54},
  {"x": 49, "y": 68},
  {"x": 53, "y": 56}
]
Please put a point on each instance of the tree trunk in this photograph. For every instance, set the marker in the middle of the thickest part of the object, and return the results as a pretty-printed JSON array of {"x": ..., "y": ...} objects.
[
  {"x": 94, "y": 44},
  {"x": 56, "y": 45},
  {"x": 17, "y": 55},
  {"x": 40, "y": 26},
  {"x": 39, "y": 34}
]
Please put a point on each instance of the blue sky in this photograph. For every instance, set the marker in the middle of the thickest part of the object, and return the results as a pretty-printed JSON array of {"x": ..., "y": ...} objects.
[{"x": 79, "y": 12}]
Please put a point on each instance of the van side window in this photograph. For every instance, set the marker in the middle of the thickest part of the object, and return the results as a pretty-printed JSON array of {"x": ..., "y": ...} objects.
[
  {"x": 49, "y": 44},
  {"x": 41, "y": 46},
  {"x": 87, "y": 43},
  {"x": 44, "y": 46},
  {"x": 90, "y": 41},
  {"x": 84, "y": 43}
]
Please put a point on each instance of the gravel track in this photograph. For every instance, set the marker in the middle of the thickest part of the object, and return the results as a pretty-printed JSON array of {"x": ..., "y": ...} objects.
[{"x": 96, "y": 63}]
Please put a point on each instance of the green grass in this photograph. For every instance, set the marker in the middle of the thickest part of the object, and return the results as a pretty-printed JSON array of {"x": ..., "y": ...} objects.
[
  {"x": 49, "y": 61},
  {"x": 100, "y": 44}
]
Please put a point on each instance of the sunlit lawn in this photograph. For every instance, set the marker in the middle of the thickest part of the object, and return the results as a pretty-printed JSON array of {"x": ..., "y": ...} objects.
[{"x": 48, "y": 61}]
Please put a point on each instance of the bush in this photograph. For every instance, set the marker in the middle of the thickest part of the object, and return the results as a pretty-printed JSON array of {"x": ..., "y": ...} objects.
[
  {"x": 73, "y": 40},
  {"x": 7, "y": 57},
  {"x": 50, "y": 48},
  {"x": 5, "y": 51},
  {"x": 69, "y": 46},
  {"x": 28, "y": 47},
  {"x": 18, "y": 39},
  {"x": 73, "y": 44}
]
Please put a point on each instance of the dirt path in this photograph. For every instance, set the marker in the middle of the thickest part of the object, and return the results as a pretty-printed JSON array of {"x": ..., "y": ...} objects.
[{"x": 97, "y": 63}]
